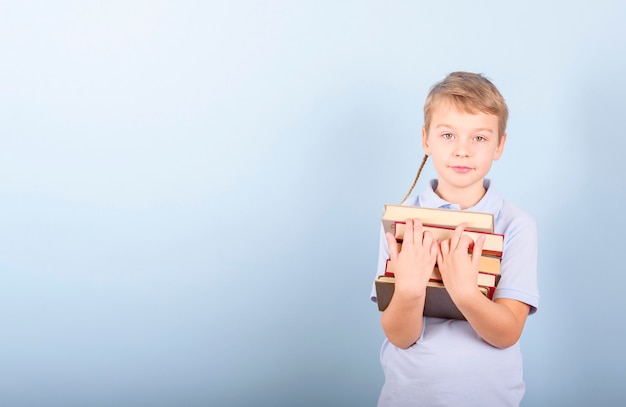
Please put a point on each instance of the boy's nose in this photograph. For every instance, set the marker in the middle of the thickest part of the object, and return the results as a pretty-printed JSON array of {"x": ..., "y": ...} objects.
[{"x": 461, "y": 149}]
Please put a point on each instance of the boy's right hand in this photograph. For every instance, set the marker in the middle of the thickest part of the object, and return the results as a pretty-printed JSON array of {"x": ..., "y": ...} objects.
[{"x": 414, "y": 263}]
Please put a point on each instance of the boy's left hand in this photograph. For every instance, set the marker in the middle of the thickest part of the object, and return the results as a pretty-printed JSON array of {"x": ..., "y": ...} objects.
[{"x": 459, "y": 269}]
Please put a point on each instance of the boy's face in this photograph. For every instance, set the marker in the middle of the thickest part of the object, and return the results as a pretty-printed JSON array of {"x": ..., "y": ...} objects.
[{"x": 462, "y": 147}]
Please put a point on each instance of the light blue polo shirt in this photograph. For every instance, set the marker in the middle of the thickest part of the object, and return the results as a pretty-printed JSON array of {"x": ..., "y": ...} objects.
[{"x": 450, "y": 365}]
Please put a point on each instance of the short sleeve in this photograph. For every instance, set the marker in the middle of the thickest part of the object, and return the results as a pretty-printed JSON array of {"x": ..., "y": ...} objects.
[{"x": 519, "y": 260}]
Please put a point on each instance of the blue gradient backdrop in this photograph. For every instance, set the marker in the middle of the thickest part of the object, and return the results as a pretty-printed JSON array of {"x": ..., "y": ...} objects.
[{"x": 190, "y": 192}]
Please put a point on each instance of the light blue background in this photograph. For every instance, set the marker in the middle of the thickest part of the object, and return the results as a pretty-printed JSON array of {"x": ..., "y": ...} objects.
[{"x": 190, "y": 192}]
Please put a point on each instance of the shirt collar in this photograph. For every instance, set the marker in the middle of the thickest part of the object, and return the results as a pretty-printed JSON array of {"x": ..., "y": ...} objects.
[{"x": 491, "y": 202}]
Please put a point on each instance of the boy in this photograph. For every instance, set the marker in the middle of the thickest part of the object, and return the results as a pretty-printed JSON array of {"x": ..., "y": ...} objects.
[{"x": 440, "y": 362}]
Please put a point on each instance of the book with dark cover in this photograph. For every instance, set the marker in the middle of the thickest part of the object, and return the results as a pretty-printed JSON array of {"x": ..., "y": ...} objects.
[{"x": 438, "y": 303}]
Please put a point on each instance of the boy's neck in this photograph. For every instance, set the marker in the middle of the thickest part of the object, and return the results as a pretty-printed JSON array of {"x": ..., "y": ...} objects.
[{"x": 464, "y": 197}]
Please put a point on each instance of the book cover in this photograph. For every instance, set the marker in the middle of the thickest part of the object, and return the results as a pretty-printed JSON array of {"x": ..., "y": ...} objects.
[
  {"x": 476, "y": 221},
  {"x": 438, "y": 303}
]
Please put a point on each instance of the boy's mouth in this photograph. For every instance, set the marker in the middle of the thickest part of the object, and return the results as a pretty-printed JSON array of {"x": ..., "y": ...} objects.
[{"x": 461, "y": 169}]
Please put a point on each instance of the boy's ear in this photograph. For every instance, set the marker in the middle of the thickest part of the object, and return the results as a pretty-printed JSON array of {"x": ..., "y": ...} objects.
[
  {"x": 500, "y": 149},
  {"x": 425, "y": 145}
]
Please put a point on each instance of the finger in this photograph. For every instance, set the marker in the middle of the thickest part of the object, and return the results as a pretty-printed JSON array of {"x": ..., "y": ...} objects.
[
  {"x": 418, "y": 231},
  {"x": 465, "y": 243},
  {"x": 434, "y": 249},
  {"x": 427, "y": 239},
  {"x": 456, "y": 236},
  {"x": 392, "y": 244},
  {"x": 408, "y": 232},
  {"x": 478, "y": 250},
  {"x": 442, "y": 251},
  {"x": 444, "y": 247}
]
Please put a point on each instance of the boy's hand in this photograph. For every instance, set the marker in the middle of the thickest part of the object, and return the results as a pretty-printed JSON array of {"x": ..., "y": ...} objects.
[
  {"x": 459, "y": 269},
  {"x": 414, "y": 263}
]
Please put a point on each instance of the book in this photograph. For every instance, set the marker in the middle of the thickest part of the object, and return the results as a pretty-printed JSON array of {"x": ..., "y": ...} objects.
[
  {"x": 438, "y": 302},
  {"x": 476, "y": 221},
  {"x": 492, "y": 246},
  {"x": 442, "y": 222},
  {"x": 488, "y": 264},
  {"x": 483, "y": 279}
]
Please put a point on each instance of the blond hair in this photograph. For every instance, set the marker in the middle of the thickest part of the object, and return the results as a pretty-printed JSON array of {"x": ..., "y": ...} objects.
[{"x": 470, "y": 93}]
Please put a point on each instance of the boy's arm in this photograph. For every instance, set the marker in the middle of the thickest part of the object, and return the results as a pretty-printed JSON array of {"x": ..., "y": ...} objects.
[
  {"x": 403, "y": 319},
  {"x": 498, "y": 322}
]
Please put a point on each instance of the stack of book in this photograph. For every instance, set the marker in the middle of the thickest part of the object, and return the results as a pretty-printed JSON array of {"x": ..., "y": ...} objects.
[{"x": 441, "y": 223}]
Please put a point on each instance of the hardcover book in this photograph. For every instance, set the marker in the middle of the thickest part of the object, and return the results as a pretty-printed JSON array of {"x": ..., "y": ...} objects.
[{"x": 438, "y": 302}]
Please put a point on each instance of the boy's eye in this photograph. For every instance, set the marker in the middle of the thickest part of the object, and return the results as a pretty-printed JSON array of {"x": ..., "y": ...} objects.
[
  {"x": 480, "y": 139},
  {"x": 447, "y": 136}
]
